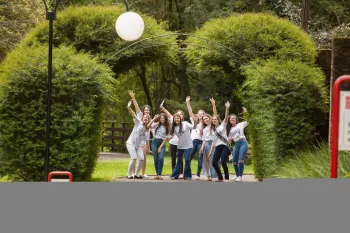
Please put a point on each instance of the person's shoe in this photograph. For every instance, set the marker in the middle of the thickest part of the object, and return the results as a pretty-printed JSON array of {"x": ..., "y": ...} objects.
[
  {"x": 138, "y": 177},
  {"x": 234, "y": 178},
  {"x": 181, "y": 176},
  {"x": 217, "y": 180},
  {"x": 130, "y": 177},
  {"x": 160, "y": 177},
  {"x": 198, "y": 177},
  {"x": 239, "y": 179},
  {"x": 209, "y": 178},
  {"x": 156, "y": 177},
  {"x": 227, "y": 180},
  {"x": 172, "y": 178},
  {"x": 214, "y": 179},
  {"x": 145, "y": 176}
]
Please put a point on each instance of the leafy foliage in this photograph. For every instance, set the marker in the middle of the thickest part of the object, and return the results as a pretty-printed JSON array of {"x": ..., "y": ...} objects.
[
  {"x": 78, "y": 95},
  {"x": 91, "y": 29},
  {"x": 286, "y": 100}
]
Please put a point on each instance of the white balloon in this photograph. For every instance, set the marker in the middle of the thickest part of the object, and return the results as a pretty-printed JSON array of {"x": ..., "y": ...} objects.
[{"x": 130, "y": 26}]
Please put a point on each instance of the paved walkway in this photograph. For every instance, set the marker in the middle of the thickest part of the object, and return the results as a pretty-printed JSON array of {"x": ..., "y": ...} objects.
[{"x": 246, "y": 178}]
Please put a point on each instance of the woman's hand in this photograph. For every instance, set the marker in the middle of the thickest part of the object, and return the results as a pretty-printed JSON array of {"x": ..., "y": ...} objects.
[
  {"x": 156, "y": 117},
  {"x": 132, "y": 94},
  {"x": 227, "y": 104},
  {"x": 159, "y": 149},
  {"x": 201, "y": 151},
  {"x": 188, "y": 98},
  {"x": 129, "y": 103},
  {"x": 212, "y": 100}
]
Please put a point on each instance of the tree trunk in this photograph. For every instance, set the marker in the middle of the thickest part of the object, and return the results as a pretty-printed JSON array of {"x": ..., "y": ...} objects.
[{"x": 142, "y": 74}]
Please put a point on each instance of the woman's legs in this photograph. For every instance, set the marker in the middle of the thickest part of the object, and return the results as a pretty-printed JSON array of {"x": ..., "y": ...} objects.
[
  {"x": 177, "y": 168},
  {"x": 134, "y": 154},
  {"x": 154, "y": 147},
  {"x": 235, "y": 154},
  {"x": 144, "y": 150},
  {"x": 187, "y": 171},
  {"x": 224, "y": 154},
  {"x": 216, "y": 158},
  {"x": 242, "y": 153}
]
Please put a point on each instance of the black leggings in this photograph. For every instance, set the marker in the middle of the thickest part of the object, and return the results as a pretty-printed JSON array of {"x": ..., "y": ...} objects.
[
  {"x": 173, "y": 153},
  {"x": 221, "y": 151}
]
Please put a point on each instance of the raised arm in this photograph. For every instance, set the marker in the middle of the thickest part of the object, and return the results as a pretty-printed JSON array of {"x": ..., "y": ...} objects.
[
  {"x": 214, "y": 106},
  {"x": 132, "y": 113},
  {"x": 132, "y": 95},
  {"x": 189, "y": 108},
  {"x": 227, "y": 105},
  {"x": 151, "y": 122},
  {"x": 165, "y": 111}
]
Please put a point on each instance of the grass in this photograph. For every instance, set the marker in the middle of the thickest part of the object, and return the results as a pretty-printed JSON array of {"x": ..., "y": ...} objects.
[
  {"x": 107, "y": 170},
  {"x": 314, "y": 163}
]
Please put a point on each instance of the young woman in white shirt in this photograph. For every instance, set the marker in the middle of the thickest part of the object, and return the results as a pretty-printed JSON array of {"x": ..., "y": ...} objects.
[
  {"x": 182, "y": 130},
  {"x": 220, "y": 144},
  {"x": 174, "y": 140},
  {"x": 235, "y": 132},
  {"x": 196, "y": 136},
  {"x": 134, "y": 143},
  {"x": 161, "y": 132},
  {"x": 145, "y": 143}
]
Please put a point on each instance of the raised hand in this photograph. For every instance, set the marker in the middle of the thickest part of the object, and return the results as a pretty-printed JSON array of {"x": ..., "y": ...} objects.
[
  {"x": 227, "y": 104},
  {"x": 129, "y": 103},
  {"x": 212, "y": 100},
  {"x": 156, "y": 117},
  {"x": 132, "y": 94},
  {"x": 188, "y": 98},
  {"x": 161, "y": 105}
]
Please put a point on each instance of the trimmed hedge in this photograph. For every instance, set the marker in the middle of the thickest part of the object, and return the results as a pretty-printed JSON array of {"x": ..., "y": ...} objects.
[
  {"x": 92, "y": 29},
  {"x": 286, "y": 100},
  {"x": 79, "y": 87},
  {"x": 240, "y": 39}
]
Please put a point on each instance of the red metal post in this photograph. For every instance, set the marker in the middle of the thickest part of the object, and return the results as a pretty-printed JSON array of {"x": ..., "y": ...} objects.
[
  {"x": 335, "y": 124},
  {"x": 60, "y": 173}
]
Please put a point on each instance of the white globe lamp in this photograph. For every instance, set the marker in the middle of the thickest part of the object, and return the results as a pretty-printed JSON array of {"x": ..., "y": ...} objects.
[{"x": 129, "y": 26}]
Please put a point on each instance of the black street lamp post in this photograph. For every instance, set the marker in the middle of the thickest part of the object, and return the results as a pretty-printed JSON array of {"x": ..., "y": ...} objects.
[{"x": 51, "y": 16}]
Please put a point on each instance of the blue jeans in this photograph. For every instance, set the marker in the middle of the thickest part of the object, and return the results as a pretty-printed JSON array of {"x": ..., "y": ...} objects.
[
  {"x": 158, "y": 157},
  {"x": 212, "y": 172},
  {"x": 197, "y": 144},
  {"x": 239, "y": 152},
  {"x": 221, "y": 152},
  {"x": 187, "y": 170}
]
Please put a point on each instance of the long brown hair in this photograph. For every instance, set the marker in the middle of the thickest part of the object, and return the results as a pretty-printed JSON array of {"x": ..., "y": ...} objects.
[
  {"x": 212, "y": 127},
  {"x": 173, "y": 125},
  {"x": 149, "y": 119},
  {"x": 150, "y": 109},
  {"x": 166, "y": 123},
  {"x": 229, "y": 125}
]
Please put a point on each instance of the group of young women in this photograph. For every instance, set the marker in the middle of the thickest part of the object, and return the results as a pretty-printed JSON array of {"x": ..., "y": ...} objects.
[{"x": 206, "y": 135}]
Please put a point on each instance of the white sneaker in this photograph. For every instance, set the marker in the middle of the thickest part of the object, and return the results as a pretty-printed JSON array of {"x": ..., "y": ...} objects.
[
  {"x": 239, "y": 179},
  {"x": 181, "y": 176},
  {"x": 234, "y": 178},
  {"x": 198, "y": 178},
  {"x": 145, "y": 176}
]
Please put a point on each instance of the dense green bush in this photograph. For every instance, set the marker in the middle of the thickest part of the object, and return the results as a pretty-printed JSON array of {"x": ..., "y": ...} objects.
[
  {"x": 92, "y": 30},
  {"x": 286, "y": 101},
  {"x": 240, "y": 39},
  {"x": 314, "y": 162},
  {"x": 80, "y": 86}
]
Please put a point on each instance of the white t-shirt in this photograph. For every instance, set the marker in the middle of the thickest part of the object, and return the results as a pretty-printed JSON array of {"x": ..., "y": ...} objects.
[
  {"x": 138, "y": 135},
  {"x": 174, "y": 141},
  {"x": 208, "y": 135},
  {"x": 196, "y": 132},
  {"x": 237, "y": 132},
  {"x": 222, "y": 131},
  {"x": 144, "y": 140},
  {"x": 185, "y": 140},
  {"x": 161, "y": 131}
]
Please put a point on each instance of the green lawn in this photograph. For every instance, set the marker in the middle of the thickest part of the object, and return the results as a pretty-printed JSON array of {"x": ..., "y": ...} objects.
[{"x": 107, "y": 170}]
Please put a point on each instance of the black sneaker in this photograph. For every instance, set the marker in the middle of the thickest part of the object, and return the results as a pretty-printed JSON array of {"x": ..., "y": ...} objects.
[
  {"x": 138, "y": 177},
  {"x": 130, "y": 177}
]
